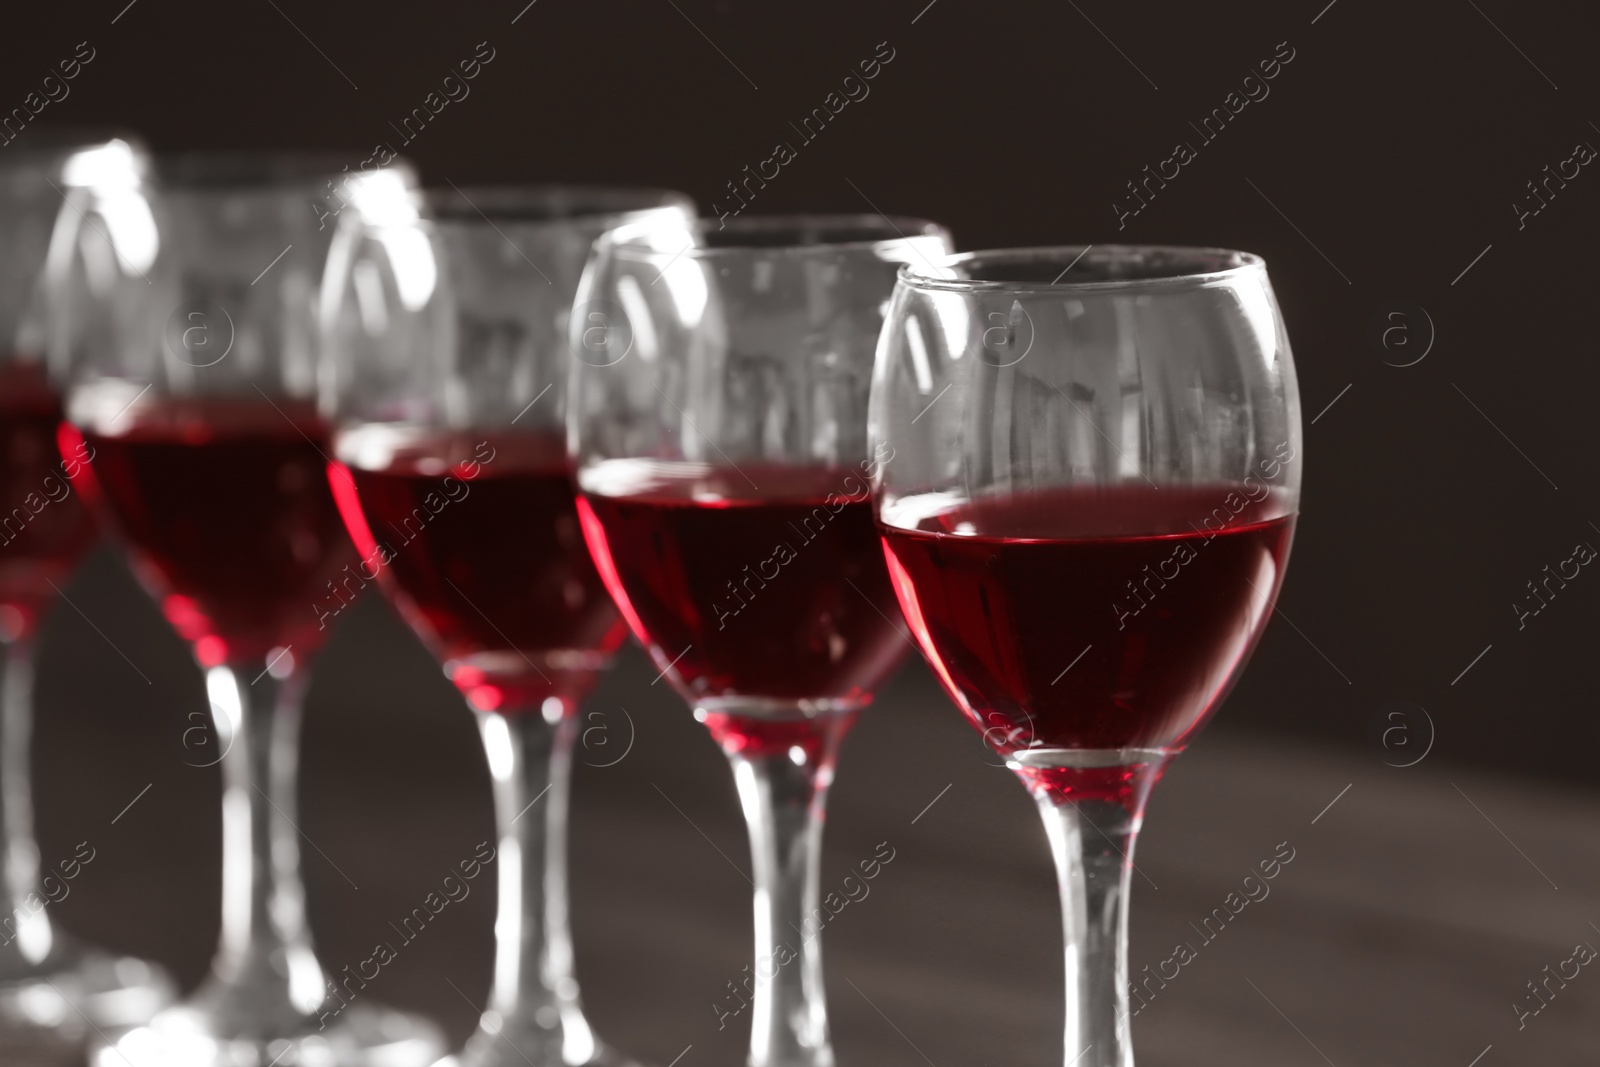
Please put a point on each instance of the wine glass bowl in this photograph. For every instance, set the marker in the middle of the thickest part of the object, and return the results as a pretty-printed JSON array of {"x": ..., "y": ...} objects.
[
  {"x": 261, "y": 465},
  {"x": 44, "y": 529},
  {"x": 1091, "y": 475},
  {"x": 471, "y": 383},
  {"x": 747, "y": 619},
  {"x": 741, "y": 412}
]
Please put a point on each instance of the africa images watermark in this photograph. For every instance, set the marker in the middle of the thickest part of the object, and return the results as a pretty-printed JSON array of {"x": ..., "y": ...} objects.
[
  {"x": 454, "y": 890},
  {"x": 32, "y": 905},
  {"x": 768, "y": 966},
  {"x": 1404, "y": 732},
  {"x": 1252, "y": 89},
  {"x": 595, "y": 738},
  {"x": 1582, "y": 154},
  {"x": 1255, "y": 490},
  {"x": 1582, "y": 555},
  {"x": 1541, "y": 190},
  {"x": 52, "y": 490},
  {"x": 1255, "y": 889},
  {"x": 455, "y": 89},
  {"x": 810, "y": 528},
  {"x": 52, "y": 90},
  {"x": 1582, "y": 955},
  {"x": 854, "y": 90},
  {"x": 453, "y": 488}
]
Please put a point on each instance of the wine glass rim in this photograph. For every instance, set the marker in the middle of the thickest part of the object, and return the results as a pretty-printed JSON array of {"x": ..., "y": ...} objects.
[
  {"x": 851, "y": 232},
  {"x": 551, "y": 205},
  {"x": 1164, "y": 267},
  {"x": 230, "y": 172},
  {"x": 48, "y": 144}
]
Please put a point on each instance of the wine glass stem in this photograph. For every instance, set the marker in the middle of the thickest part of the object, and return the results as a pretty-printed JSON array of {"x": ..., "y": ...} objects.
[
  {"x": 784, "y": 800},
  {"x": 1092, "y": 842},
  {"x": 265, "y": 950},
  {"x": 530, "y": 764},
  {"x": 25, "y": 931}
]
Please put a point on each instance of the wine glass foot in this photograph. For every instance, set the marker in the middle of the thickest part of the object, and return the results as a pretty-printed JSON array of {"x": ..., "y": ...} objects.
[
  {"x": 49, "y": 1012},
  {"x": 519, "y": 1043},
  {"x": 361, "y": 1036}
]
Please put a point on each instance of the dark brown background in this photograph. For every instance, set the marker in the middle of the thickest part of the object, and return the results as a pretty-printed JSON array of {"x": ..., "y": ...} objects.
[{"x": 1396, "y": 142}]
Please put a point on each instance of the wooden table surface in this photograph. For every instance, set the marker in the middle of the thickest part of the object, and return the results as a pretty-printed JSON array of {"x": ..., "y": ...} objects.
[
  {"x": 1402, "y": 932},
  {"x": 1418, "y": 902}
]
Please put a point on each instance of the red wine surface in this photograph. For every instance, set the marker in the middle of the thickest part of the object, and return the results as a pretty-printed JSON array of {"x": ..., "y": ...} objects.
[
  {"x": 44, "y": 526},
  {"x": 777, "y": 593},
  {"x": 1101, "y": 619},
  {"x": 476, "y": 539},
  {"x": 227, "y": 515}
]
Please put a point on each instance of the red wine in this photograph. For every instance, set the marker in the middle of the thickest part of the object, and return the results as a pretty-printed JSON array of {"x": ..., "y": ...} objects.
[
  {"x": 758, "y": 736},
  {"x": 44, "y": 527},
  {"x": 226, "y": 511},
  {"x": 476, "y": 540},
  {"x": 1101, "y": 619},
  {"x": 778, "y": 593}
]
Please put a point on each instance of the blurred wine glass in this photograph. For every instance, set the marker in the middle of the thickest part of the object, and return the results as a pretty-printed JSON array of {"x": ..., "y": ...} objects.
[
  {"x": 445, "y": 373},
  {"x": 46, "y": 977},
  {"x": 187, "y": 346}
]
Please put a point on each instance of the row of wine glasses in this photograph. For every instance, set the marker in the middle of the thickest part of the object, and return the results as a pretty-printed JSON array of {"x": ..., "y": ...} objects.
[{"x": 758, "y": 445}]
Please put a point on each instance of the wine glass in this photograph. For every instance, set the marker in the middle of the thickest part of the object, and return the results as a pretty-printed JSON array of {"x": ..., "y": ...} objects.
[
  {"x": 190, "y": 374},
  {"x": 1090, "y": 481},
  {"x": 445, "y": 371},
  {"x": 718, "y": 422},
  {"x": 46, "y": 978}
]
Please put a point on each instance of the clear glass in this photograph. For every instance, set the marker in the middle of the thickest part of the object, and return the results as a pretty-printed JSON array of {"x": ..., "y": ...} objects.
[
  {"x": 445, "y": 373},
  {"x": 718, "y": 420},
  {"x": 1091, "y": 469},
  {"x": 46, "y": 977},
  {"x": 186, "y": 329}
]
